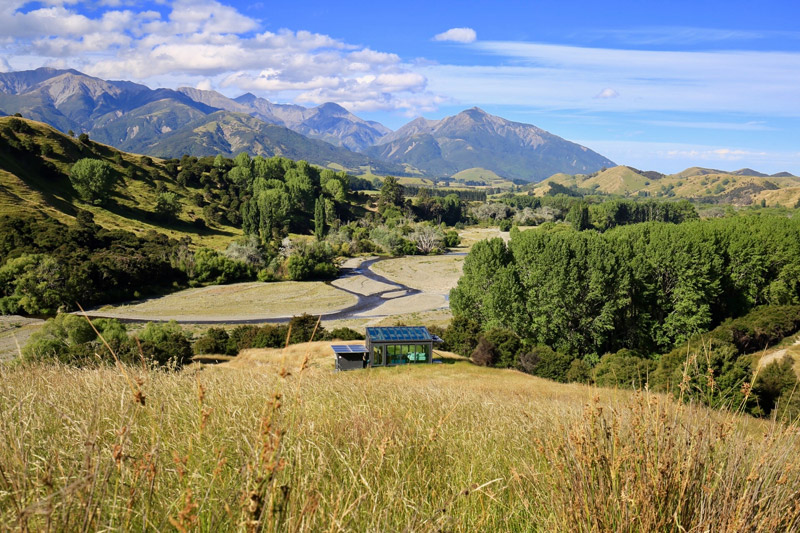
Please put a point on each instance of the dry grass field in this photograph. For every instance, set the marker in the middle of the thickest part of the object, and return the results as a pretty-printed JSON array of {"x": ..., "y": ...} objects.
[
  {"x": 435, "y": 274},
  {"x": 278, "y": 442},
  {"x": 239, "y": 301}
]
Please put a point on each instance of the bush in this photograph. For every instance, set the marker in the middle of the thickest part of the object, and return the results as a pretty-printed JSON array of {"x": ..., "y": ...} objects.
[
  {"x": 544, "y": 362},
  {"x": 451, "y": 239},
  {"x": 506, "y": 347},
  {"x": 212, "y": 267},
  {"x": 165, "y": 344},
  {"x": 579, "y": 371},
  {"x": 168, "y": 206},
  {"x": 303, "y": 327},
  {"x": 71, "y": 339},
  {"x": 213, "y": 341},
  {"x": 623, "y": 369},
  {"x": 345, "y": 334},
  {"x": 461, "y": 335},
  {"x": 484, "y": 353},
  {"x": 775, "y": 381}
]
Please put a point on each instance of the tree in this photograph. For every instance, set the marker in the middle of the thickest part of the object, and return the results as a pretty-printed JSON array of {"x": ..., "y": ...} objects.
[
  {"x": 167, "y": 205},
  {"x": 319, "y": 218},
  {"x": 579, "y": 217},
  {"x": 93, "y": 180},
  {"x": 427, "y": 238},
  {"x": 391, "y": 193}
]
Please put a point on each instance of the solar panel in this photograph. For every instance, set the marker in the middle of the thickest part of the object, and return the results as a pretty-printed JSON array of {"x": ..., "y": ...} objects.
[
  {"x": 348, "y": 348},
  {"x": 398, "y": 334}
]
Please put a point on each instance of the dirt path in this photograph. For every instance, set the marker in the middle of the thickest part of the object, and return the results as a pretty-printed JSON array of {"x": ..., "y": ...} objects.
[{"x": 776, "y": 355}]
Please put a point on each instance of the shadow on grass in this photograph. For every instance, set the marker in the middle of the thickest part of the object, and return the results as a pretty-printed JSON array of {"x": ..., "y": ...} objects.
[
  {"x": 450, "y": 360},
  {"x": 148, "y": 217}
]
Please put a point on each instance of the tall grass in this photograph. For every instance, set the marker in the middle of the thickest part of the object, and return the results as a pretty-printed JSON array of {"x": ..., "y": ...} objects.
[{"x": 434, "y": 448}]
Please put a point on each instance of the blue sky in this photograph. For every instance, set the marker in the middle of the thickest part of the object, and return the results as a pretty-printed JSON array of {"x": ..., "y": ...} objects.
[{"x": 656, "y": 85}]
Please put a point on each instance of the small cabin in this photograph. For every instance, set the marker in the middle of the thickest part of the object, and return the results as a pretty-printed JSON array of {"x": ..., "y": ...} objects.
[
  {"x": 400, "y": 345},
  {"x": 387, "y": 346}
]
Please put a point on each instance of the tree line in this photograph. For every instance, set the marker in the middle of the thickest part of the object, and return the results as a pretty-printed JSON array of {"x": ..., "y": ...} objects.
[{"x": 644, "y": 287}]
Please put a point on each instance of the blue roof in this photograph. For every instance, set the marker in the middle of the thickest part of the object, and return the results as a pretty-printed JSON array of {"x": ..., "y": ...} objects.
[
  {"x": 399, "y": 334},
  {"x": 349, "y": 348}
]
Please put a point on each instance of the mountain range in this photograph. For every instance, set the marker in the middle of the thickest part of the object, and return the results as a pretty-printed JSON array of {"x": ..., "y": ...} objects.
[{"x": 168, "y": 123}]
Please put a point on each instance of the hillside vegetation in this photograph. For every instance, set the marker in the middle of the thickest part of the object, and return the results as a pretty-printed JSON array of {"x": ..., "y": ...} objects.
[
  {"x": 449, "y": 447},
  {"x": 35, "y": 162}
]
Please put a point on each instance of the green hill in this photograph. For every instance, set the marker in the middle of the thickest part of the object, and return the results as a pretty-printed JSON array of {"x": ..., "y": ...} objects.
[
  {"x": 742, "y": 187},
  {"x": 35, "y": 160}
]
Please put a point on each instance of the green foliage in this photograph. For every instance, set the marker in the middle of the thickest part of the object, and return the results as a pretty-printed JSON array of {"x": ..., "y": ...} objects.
[
  {"x": 212, "y": 267},
  {"x": 578, "y": 217},
  {"x": 579, "y": 371},
  {"x": 544, "y": 362},
  {"x": 391, "y": 194},
  {"x": 213, "y": 341},
  {"x": 71, "y": 340},
  {"x": 624, "y": 368},
  {"x": 165, "y": 344},
  {"x": 506, "y": 347},
  {"x": 717, "y": 366},
  {"x": 775, "y": 381},
  {"x": 319, "y": 218},
  {"x": 93, "y": 180},
  {"x": 645, "y": 287},
  {"x": 488, "y": 290},
  {"x": 345, "y": 334},
  {"x": 168, "y": 205},
  {"x": 461, "y": 335}
]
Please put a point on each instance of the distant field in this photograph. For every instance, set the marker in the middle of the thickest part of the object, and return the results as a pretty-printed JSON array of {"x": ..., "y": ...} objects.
[
  {"x": 239, "y": 301},
  {"x": 434, "y": 274}
]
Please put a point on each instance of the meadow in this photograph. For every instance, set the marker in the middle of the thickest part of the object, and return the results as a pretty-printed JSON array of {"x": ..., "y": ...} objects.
[{"x": 278, "y": 442}]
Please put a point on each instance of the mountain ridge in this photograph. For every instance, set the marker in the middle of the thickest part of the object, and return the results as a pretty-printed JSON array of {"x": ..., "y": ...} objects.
[{"x": 475, "y": 138}]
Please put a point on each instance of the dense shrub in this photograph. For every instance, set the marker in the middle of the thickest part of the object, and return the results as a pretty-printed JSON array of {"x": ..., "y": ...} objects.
[
  {"x": 461, "y": 335},
  {"x": 544, "y": 362},
  {"x": 624, "y": 368},
  {"x": 213, "y": 341},
  {"x": 579, "y": 371},
  {"x": 345, "y": 334},
  {"x": 213, "y": 267},
  {"x": 776, "y": 383},
  {"x": 47, "y": 265},
  {"x": 165, "y": 344}
]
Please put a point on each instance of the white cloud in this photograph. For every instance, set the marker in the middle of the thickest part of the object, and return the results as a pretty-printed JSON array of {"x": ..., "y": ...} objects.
[
  {"x": 458, "y": 35},
  {"x": 204, "y": 85},
  {"x": 607, "y": 93},
  {"x": 567, "y": 77},
  {"x": 707, "y": 125},
  {"x": 207, "y": 42},
  {"x": 4, "y": 66}
]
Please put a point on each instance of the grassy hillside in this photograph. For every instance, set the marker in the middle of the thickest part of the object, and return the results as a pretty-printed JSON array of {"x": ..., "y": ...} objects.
[
  {"x": 34, "y": 180},
  {"x": 709, "y": 185},
  {"x": 449, "y": 447}
]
